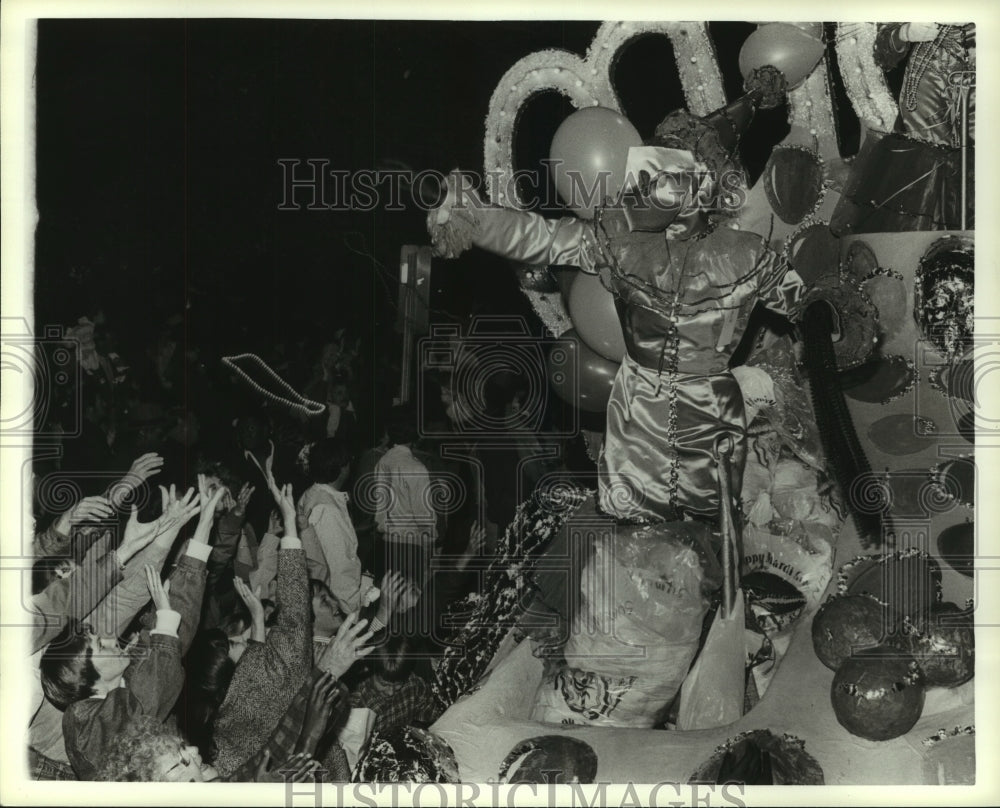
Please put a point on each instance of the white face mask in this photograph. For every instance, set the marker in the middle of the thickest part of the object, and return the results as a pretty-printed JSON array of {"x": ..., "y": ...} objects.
[{"x": 673, "y": 188}]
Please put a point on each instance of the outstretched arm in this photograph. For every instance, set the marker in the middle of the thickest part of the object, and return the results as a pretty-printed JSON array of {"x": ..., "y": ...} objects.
[{"x": 464, "y": 220}]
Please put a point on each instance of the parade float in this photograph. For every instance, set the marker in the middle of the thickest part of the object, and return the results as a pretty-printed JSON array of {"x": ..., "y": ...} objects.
[{"x": 771, "y": 580}]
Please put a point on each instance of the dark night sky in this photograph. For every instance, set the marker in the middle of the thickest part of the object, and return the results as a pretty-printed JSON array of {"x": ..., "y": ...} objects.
[{"x": 158, "y": 180}]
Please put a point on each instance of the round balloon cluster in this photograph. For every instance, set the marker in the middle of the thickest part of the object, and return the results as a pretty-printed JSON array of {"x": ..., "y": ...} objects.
[
  {"x": 885, "y": 660},
  {"x": 589, "y": 154}
]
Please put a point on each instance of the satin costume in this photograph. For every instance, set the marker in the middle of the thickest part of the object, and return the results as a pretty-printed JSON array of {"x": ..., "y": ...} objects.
[
  {"x": 928, "y": 106},
  {"x": 911, "y": 179},
  {"x": 683, "y": 307}
]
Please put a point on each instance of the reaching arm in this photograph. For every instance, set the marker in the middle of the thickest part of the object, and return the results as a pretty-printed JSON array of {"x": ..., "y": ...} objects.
[
  {"x": 463, "y": 220},
  {"x": 289, "y": 644},
  {"x": 56, "y": 540},
  {"x": 130, "y": 596},
  {"x": 142, "y": 469},
  {"x": 74, "y": 596}
]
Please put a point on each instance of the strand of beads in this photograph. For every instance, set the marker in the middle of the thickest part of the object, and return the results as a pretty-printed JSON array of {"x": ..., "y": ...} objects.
[{"x": 293, "y": 400}]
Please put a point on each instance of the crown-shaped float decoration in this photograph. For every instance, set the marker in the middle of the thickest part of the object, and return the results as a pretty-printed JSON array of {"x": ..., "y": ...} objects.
[{"x": 588, "y": 81}]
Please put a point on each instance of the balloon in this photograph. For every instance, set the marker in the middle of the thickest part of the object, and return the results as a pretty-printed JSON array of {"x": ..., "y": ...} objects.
[
  {"x": 814, "y": 29},
  {"x": 592, "y": 310},
  {"x": 578, "y": 375},
  {"x": 784, "y": 46},
  {"x": 793, "y": 182},
  {"x": 589, "y": 151}
]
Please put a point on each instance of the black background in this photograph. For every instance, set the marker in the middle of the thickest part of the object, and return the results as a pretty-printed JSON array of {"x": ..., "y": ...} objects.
[{"x": 158, "y": 183}]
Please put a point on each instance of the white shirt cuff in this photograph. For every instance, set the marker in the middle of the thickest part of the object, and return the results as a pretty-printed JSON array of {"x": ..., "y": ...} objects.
[
  {"x": 167, "y": 622},
  {"x": 199, "y": 550},
  {"x": 291, "y": 543}
]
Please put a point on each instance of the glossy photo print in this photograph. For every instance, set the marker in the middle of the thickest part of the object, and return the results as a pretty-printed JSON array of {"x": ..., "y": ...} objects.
[{"x": 516, "y": 410}]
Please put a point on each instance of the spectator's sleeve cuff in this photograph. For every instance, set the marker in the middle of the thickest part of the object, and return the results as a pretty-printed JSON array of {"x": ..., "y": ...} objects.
[
  {"x": 291, "y": 543},
  {"x": 376, "y": 625},
  {"x": 199, "y": 550},
  {"x": 167, "y": 622}
]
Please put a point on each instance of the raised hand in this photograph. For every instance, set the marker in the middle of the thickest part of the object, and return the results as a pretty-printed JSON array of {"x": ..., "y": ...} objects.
[
  {"x": 88, "y": 509},
  {"x": 391, "y": 588},
  {"x": 138, "y": 534},
  {"x": 175, "y": 513},
  {"x": 326, "y": 695},
  {"x": 275, "y": 524},
  {"x": 242, "y": 499},
  {"x": 142, "y": 469},
  {"x": 285, "y": 500},
  {"x": 158, "y": 591},
  {"x": 252, "y": 600},
  {"x": 409, "y": 597},
  {"x": 347, "y": 647},
  {"x": 209, "y": 503}
]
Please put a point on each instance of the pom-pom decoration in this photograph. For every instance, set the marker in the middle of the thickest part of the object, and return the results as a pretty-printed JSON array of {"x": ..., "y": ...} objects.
[{"x": 770, "y": 83}]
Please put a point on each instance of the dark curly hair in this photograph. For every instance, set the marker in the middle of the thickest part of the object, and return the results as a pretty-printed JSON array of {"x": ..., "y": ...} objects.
[{"x": 131, "y": 757}]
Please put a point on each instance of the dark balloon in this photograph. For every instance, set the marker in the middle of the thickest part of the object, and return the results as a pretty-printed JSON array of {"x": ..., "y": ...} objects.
[
  {"x": 957, "y": 546},
  {"x": 814, "y": 252},
  {"x": 595, "y": 318},
  {"x": 793, "y": 182},
  {"x": 861, "y": 261},
  {"x": 880, "y": 380}
]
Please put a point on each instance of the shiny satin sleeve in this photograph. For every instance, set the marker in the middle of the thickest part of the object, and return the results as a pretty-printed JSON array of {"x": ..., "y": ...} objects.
[
  {"x": 463, "y": 220},
  {"x": 533, "y": 239},
  {"x": 781, "y": 289}
]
